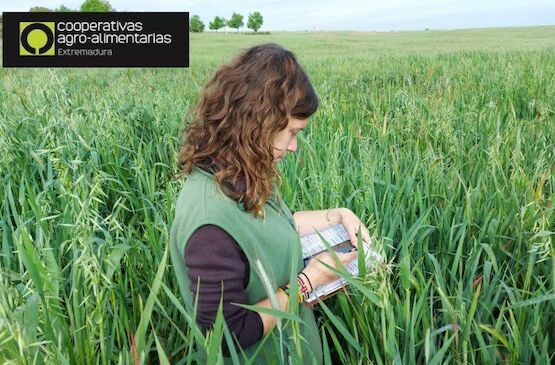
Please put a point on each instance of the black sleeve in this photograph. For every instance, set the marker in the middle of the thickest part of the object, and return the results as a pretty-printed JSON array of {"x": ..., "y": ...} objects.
[{"x": 214, "y": 256}]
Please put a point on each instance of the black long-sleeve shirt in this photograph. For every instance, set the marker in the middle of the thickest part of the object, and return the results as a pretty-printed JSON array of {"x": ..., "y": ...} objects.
[{"x": 214, "y": 256}]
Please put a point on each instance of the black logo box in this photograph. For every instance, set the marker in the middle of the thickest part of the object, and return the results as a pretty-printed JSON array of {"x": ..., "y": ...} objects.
[{"x": 174, "y": 54}]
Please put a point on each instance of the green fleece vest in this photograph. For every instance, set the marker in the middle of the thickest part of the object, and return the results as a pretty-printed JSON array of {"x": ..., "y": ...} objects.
[{"x": 267, "y": 244}]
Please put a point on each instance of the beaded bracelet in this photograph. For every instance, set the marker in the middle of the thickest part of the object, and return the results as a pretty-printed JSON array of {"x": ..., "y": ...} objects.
[
  {"x": 287, "y": 290},
  {"x": 302, "y": 293},
  {"x": 307, "y": 279},
  {"x": 303, "y": 288}
]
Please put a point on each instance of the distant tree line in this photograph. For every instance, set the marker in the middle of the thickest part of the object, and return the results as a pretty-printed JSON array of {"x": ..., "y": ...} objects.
[
  {"x": 254, "y": 22},
  {"x": 95, "y": 6}
]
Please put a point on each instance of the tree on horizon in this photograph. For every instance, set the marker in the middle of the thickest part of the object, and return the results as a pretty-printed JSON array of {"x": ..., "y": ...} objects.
[
  {"x": 39, "y": 9},
  {"x": 236, "y": 21},
  {"x": 255, "y": 21},
  {"x": 96, "y": 6},
  {"x": 196, "y": 25},
  {"x": 64, "y": 9},
  {"x": 217, "y": 23}
]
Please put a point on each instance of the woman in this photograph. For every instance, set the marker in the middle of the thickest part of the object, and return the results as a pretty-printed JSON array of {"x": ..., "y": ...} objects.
[{"x": 232, "y": 232}]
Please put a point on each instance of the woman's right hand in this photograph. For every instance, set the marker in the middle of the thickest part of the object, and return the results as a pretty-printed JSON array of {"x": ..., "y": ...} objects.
[{"x": 320, "y": 274}]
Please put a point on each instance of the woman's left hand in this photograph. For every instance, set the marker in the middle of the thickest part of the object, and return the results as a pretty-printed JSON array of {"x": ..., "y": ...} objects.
[{"x": 351, "y": 222}]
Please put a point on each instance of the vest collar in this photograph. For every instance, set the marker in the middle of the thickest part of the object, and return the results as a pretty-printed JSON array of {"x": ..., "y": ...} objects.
[
  {"x": 213, "y": 178},
  {"x": 274, "y": 201}
]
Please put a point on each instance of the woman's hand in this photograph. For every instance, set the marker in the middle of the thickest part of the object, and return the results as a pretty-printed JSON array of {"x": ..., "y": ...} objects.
[
  {"x": 319, "y": 274},
  {"x": 351, "y": 222}
]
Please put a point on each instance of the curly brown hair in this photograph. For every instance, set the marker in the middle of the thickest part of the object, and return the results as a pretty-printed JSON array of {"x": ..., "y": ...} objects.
[{"x": 241, "y": 110}]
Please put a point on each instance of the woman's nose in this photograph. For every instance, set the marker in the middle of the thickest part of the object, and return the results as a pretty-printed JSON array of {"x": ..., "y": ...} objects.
[{"x": 292, "y": 144}]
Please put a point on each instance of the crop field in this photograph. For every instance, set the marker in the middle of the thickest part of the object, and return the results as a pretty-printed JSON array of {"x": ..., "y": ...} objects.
[{"x": 443, "y": 142}]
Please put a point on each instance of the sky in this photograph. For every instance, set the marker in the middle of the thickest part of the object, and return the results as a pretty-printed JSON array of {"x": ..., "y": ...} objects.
[{"x": 358, "y": 15}]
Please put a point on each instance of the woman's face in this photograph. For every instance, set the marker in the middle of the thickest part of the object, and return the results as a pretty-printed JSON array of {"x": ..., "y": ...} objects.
[{"x": 286, "y": 140}]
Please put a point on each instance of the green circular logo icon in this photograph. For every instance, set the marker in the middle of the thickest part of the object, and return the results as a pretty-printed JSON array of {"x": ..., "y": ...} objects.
[{"x": 36, "y": 38}]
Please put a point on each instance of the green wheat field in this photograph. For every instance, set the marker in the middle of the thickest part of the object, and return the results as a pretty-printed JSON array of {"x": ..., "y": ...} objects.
[{"x": 443, "y": 142}]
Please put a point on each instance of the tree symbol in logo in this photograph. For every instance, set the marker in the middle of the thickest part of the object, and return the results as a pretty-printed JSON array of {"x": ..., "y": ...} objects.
[{"x": 37, "y": 39}]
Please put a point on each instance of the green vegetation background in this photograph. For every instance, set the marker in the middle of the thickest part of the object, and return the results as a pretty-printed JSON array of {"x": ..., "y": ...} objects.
[{"x": 443, "y": 141}]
